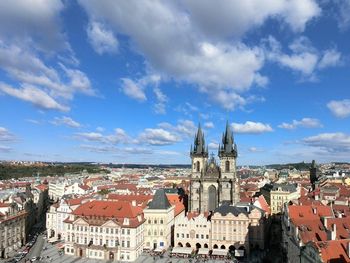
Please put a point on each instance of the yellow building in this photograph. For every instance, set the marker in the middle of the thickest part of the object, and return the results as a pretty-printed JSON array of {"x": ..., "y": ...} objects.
[{"x": 278, "y": 194}]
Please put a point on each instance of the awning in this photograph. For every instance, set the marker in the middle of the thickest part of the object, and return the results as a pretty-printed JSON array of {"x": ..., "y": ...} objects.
[
  {"x": 60, "y": 246},
  {"x": 52, "y": 240},
  {"x": 203, "y": 251},
  {"x": 182, "y": 250},
  {"x": 158, "y": 249},
  {"x": 219, "y": 252}
]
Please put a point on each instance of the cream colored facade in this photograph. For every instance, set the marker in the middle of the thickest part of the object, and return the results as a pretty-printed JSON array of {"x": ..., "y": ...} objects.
[
  {"x": 233, "y": 228},
  {"x": 192, "y": 232},
  {"x": 12, "y": 229},
  {"x": 279, "y": 197},
  {"x": 108, "y": 241},
  {"x": 158, "y": 226}
]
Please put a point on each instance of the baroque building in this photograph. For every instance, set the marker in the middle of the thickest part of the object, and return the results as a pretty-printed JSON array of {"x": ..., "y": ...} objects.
[{"x": 212, "y": 184}]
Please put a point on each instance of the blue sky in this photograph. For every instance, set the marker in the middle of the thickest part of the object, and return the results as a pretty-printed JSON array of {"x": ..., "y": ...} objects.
[{"x": 129, "y": 81}]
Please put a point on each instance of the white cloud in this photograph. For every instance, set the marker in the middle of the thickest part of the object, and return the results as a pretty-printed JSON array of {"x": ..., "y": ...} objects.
[
  {"x": 29, "y": 22},
  {"x": 330, "y": 58},
  {"x": 100, "y": 129},
  {"x": 158, "y": 137},
  {"x": 184, "y": 128},
  {"x": 251, "y": 127},
  {"x": 340, "y": 108},
  {"x": 342, "y": 15},
  {"x": 162, "y": 99},
  {"x": 29, "y": 70},
  {"x": 303, "y": 58},
  {"x": 330, "y": 142},
  {"x": 233, "y": 18},
  {"x": 304, "y": 122},
  {"x": 34, "y": 95},
  {"x": 101, "y": 38},
  {"x": 133, "y": 90},
  {"x": 209, "y": 125},
  {"x": 213, "y": 146},
  {"x": 5, "y": 149},
  {"x": 255, "y": 150},
  {"x": 119, "y": 136},
  {"x": 5, "y": 135},
  {"x": 64, "y": 120}
]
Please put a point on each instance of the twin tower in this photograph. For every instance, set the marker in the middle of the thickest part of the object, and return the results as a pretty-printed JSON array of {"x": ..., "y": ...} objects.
[{"x": 213, "y": 184}]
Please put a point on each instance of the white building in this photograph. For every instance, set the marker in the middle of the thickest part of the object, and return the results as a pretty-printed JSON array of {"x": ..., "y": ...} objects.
[{"x": 106, "y": 230}]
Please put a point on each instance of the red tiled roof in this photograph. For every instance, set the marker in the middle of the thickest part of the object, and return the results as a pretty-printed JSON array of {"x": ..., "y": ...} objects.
[
  {"x": 42, "y": 187},
  {"x": 342, "y": 226},
  {"x": 174, "y": 199},
  {"x": 309, "y": 212},
  {"x": 334, "y": 250},
  {"x": 140, "y": 199},
  {"x": 264, "y": 205},
  {"x": 110, "y": 210}
]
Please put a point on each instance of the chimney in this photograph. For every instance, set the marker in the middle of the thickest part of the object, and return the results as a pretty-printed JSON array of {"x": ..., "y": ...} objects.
[
  {"x": 334, "y": 232},
  {"x": 133, "y": 202},
  {"x": 314, "y": 210},
  {"x": 316, "y": 197}
]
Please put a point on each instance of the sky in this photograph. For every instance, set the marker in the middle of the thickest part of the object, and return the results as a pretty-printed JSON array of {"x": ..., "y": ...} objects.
[{"x": 129, "y": 81}]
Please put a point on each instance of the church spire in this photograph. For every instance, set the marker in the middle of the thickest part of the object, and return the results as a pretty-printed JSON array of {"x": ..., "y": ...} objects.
[
  {"x": 228, "y": 147},
  {"x": 199, "y": 143}
]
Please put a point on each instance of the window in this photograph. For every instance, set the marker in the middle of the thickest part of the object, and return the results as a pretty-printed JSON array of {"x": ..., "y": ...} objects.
[
  {"x": 198, "y": 166},
  {"x": 149, "y": 221},
  {"x": 227, "y": 166},
  {"x": 202, "y": 236},
  {"x": 100, "y": 242},
  {"x": 127, "y": 243},
  {"x": 116, "y": 243},
  {"x": 107, "y": 242},
  {"x": 197, "y": 236},
  {"x": 107, "y": 230},
  {"x": 85, "y": 229},
  {"x": 155, "y": 221},
  {"x": 112, "y": 231},
  {"x": 207, "y": 236},
  {"x": 177, "y": 235},
  {"x": 128, "y": 231},
  {"x": 91, "y": 229},
  {"x": 85, "y": 240},
  {"x": 187, "y": 235},
  {"x": 68, "y": 227},
  {"x": 161, "y": 221},
  {"x": 123, "y": 231},
  {"x": 161, "y": 232},
  {"x": 123, "y": 243},
  {"x": 100, "y": 229}
]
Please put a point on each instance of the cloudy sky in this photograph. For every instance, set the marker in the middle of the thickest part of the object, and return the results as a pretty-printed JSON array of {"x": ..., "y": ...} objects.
[{"x": 129, "y": 81}]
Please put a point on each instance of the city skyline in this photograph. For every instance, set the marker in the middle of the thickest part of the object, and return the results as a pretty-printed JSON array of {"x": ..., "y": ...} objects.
[{"x": 129, "y": 82}]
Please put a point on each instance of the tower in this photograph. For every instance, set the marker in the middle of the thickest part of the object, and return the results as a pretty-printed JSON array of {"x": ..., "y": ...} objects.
[
  {"x": 228, "y": 154},
  {"x": 212, "y": 183},
  {"x": 313, "y": 174},
  {"x": 199, "y": 156}
]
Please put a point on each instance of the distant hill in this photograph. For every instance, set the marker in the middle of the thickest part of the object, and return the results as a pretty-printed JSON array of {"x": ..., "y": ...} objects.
[
  {"x": 8, "y": 171},
  {"x": 299, "y": 166}
]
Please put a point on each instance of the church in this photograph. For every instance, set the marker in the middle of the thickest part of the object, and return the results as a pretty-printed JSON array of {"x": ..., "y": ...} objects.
[{"x": 213, "y": 184}]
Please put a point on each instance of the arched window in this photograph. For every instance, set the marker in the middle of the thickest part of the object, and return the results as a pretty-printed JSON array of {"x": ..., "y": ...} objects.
[
  {"x": 198, "y": 166},
  {"x": 227, "y": 166}
]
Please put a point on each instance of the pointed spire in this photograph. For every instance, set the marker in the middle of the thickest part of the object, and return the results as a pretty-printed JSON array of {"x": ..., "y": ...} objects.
[
  {"x": 199, "y": 142},
  {"x": 227, "y": 141}
]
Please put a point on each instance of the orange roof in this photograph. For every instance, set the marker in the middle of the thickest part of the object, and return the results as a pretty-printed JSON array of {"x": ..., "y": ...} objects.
[
  {"x": 342, "y": 226},
  {"x": 140, "y": 199},
  {"x": 174, "y": 199},
  {"x": 309, "y": 212},
  {"x": 334, "y": 250},
  {"x": 110, "y": 210},
  {"x": 264, "y": 205},
  {"x": 42, "y": 187}
]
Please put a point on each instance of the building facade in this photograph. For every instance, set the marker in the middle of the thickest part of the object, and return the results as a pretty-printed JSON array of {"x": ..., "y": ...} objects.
[
  {"x": 12, "y": 228},
  {"x": 212, "y": 184},
  {"x": 159, "y": 222},
  {"x": 278, "y": 194},
  {"x": 105, "y": 230}
]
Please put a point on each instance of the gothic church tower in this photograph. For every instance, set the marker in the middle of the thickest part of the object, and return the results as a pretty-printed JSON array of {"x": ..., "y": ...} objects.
[{"x": 212, "y": 184}]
